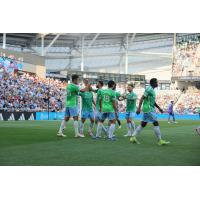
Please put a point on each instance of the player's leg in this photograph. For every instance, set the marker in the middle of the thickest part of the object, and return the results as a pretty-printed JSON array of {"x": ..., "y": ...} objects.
[
  {"x": 198, "y": 130},
  {"x": 100, "y": 124},
  {"x": 128, "y": 124},
  {"x": 111, "y": 130},
  {"x": 82, "y": 122},
  {"x": 74, "y": 114},
  {"x": 91, "y": 126},
  {"x": 63, "y": 123},
  {"x": 144, "y": 122},
  {"x": 117, "y": 119},
  {"x": 168, "y": 118},
  {"x": 174, "y": 120},
  {"x": 158, "y": 134}
]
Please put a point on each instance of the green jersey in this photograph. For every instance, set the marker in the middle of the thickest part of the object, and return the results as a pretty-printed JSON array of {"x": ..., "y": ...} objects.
[
  {"x": 87, "y": 101},
  {"x": 72, "y": 95},
  {"x": 107, "y": 96},
  {"x": 149, "y": 101},
  {"x": 98, "y": 100},
  {"x": 131, "y": 102},
  {"x": 117, "y": 94}
]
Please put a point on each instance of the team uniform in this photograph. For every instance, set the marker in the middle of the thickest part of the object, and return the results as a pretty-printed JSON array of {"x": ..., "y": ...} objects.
[
  {"x": 107, "y": 96},
  {"x": 117, "y": 95},
  {"x": 71, "y": 109},
  {"x": 97, "y": 112},
  {"x": 87, "y": 105},
  {"x": 72, "y": 100},
  {"x": 131, "y": 99},
  {"x": 149, "y": 114},
  {"x": 87, "y": 110},
  {"x": 171, "y": 113}
]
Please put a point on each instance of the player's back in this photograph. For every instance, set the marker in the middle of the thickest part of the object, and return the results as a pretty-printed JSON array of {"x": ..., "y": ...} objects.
[{"x": 107, "y": 97}]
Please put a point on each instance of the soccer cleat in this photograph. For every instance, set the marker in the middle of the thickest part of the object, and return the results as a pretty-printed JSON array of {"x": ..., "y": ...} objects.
[
  {"x": 112, "y": 139},
  {"x": 169, "y": 122},
  {"x": 175, "y": 122},
  {"x": 163, "y": 142},
  {"x": 133, "y": 140},
  {"x": 127, "y": 135},
  {"x": 60, "y": 134},
  {"x": 120, "y": 127}
]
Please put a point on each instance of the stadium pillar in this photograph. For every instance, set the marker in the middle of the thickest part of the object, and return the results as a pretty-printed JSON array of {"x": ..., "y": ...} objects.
[
  {"x": 4, "y": 40},
  {"x": 42, "y": 45},
  {"x": 82, "y": 54},
  {"x": 126, "y": 55}
]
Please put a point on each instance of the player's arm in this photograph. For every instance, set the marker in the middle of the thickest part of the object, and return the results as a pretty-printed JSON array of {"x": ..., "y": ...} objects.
[
  {"x": 115, "y": 105},
  {"x": 100, "y": 104},
  {"x": 140, "y": 104},
  {"x": 159, "y": 108}
]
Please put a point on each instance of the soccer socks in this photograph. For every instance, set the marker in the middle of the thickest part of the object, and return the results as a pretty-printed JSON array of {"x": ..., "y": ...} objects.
[
  {"x": 157, "y": 132},
  {"x": 133, "y": 125},
  {"x": 129, "y": 128},
  {"x": 81, "y": 127},
  {"x": 99, "y": 129},
  {"x": 105, "y": 129},
  {"x": 76, "y": 127},
  {"x": 62, "y": 126},
  {"x": 111, "y": 130},
  {"x": 137, "y": 130},
  {"x": 91, "y": 127}
]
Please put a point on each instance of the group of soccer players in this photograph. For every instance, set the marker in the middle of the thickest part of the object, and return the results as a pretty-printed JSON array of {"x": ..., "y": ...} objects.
[{"x": 106, "y": 108}]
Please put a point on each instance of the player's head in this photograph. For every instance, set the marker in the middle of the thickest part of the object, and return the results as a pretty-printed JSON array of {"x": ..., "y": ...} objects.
[
  {"x": 172, "y": 102},
  {"x": 99, "y": 84},
  {"x": 114, "y": 88},
  {"x": 111, "y": 84},
  {"x": 130, "y": 87},
  {"x": 154, "y": 82},
  {"x": 75, "y": 78},
  {"x": 85, "y": 81}
]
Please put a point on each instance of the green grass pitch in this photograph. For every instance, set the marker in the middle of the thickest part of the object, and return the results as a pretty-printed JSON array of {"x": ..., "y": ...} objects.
[{"x": 35, "y": 143}]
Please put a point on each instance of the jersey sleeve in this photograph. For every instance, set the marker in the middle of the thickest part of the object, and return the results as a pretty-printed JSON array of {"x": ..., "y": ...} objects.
[{"x": 99, "y": 93}]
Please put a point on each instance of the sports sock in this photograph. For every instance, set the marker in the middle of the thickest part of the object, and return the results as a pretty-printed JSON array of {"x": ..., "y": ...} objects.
[
  {"x": 111, "y": 130},
  {"x": 157, "y": 132},
  {"x": 129, "y": 128},
  {"x": 99, "y": 129},
  {"x": 119, "y": 122},
  {"x": 76, "y": 127},
  {"x": 81, "y": 127},
  {"x": 133, "y": 125},
  {"x": 62, "y": 126},
  {"x": 137, "y": 130},
  {"x": 105, "y": 129},
  {"x": 91, "y": 127}
]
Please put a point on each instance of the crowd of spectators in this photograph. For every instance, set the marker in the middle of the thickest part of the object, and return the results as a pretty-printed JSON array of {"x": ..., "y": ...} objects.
[
  {"x": 186, "y": 58},
  {"x": 30, "y": 93},
  {"x": 27, "y": 92}
]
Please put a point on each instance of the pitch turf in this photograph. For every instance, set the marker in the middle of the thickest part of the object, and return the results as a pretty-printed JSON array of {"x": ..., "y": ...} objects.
[{"x": 36, "y": 143}]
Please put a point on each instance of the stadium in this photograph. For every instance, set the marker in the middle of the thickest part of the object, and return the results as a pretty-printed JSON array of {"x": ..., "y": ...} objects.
[{"x": 36, "y": 69}]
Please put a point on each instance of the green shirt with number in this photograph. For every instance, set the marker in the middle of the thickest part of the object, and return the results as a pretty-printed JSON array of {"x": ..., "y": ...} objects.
[
  {"x": 149, "y": 100},
  {"x": 107, "y": 96},
  {"x": 72, "y": 95},
  {"x": 87, "y": 101},
  {"x": 131, "y": 99}
]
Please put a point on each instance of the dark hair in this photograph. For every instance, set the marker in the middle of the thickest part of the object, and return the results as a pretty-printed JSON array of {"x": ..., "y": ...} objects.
[
  {"x": 101, "y": 82},
  {"x": 74, "y": 77},
  {"x": 153, "y": 80},
  {"x": 111, "y": 83}
]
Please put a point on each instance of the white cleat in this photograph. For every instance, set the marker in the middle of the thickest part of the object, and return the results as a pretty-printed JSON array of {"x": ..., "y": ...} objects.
[
  {"x": 120, "y": 127},
  {"x": 60, "y": 134},
  {"x": 79, "y": 135},
  {"x": 169, "y": 122},
  {"x": 175, "y": 122},
  {"x": 127, "y": 135}
]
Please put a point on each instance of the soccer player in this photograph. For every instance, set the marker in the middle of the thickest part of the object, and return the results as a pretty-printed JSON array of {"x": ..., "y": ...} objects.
[
  {"x": 149, "y": 115},
  {"x": 87, "y": 109},
  {"x": 131, "y": 99},
  {"x": 117, "y": 96},
  {"x": 71, "y": 106},
  {"x": 198, "y": 130},
  {"x": 108, "y": 108},
  {"x": 171, "y": 112}
]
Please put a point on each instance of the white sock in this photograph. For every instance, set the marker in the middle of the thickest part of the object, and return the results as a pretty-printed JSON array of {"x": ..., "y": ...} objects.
[
  {"x": 105, "y": 129},
  {"x": 76, "y": 127},
  {"x": 99, "y": 129},
  {"x": 137, "y": 130},
  {"x": 133, "y": 125},
  {"x": 62, "y": 126},
  {"x": 111, "y": 130},
  {"x": 91, "y": 127},
  {"x": 157, "y": 132},
  {"x": 81, "y": 127},
  {"x": 129, "y": 128}
]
